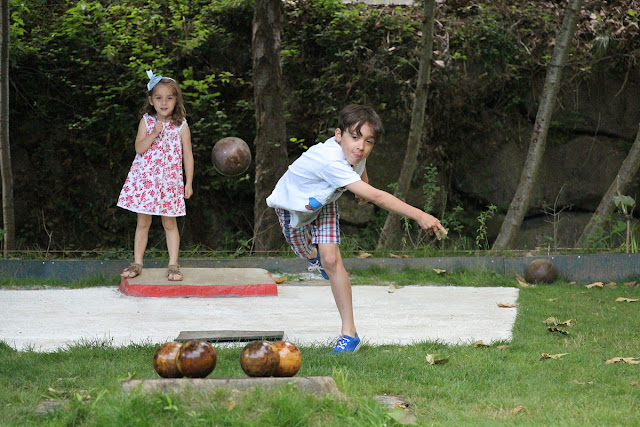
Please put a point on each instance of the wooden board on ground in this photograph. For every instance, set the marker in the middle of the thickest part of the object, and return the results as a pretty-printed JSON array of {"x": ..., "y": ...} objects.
[
  {"x": 315, "y": 385},
  {"x": 201, "y": 282},
  {"x": 230, "y": 336}
]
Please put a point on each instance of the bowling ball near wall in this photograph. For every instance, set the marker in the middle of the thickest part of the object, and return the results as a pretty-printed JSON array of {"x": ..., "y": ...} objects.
[
  {"x": 259, "y": 359},
  {"x": 231, "y": 156},
  {"x": 196, "y": 359},
  {"x": 541, "y": 271},
  {"x": 164, "y": 360}
]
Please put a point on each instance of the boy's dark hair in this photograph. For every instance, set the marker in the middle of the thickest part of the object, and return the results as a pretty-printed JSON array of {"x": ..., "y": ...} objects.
[{"x": 354, "y": 116}]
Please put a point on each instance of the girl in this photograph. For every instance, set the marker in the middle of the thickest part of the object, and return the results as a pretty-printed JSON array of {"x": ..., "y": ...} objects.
[{"x": 154, "y": 185}]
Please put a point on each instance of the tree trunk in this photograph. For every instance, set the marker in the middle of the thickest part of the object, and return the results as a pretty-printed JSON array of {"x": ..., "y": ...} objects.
[
  {"x": 522, "y": 198},
  {"x": 270, "y": 143},
  {"x": 626, "y": 173},
  {"x": 5, "y": 148},
  {"x": 390, "y": 235}
]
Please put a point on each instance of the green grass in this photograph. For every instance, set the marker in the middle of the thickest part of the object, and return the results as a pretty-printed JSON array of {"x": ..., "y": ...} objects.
[{"x": 478, "y": 386}]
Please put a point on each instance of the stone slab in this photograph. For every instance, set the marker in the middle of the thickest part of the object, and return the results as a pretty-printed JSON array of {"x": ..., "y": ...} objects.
[
  {"x": 314, "y": 385},
  {"x": 200, "y": 282}
]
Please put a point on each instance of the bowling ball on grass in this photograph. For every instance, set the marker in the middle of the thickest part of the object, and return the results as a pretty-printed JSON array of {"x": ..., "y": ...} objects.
[
  {"x": 259, "y": 359},
  {"x": 231, "y": 156},
  {"x": 541, "y": 271},
  {"x": 290, "y": 359},
  {"x": 164, "y": 360},
  {"x": 196, "y": 359}
]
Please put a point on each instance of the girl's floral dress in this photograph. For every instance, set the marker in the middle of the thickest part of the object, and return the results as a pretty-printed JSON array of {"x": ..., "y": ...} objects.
[{"x": 154, "y": 184}]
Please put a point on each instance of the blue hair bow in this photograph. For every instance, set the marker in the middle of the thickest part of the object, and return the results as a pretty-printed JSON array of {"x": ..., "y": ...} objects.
[{"x": 153, "y": 80}]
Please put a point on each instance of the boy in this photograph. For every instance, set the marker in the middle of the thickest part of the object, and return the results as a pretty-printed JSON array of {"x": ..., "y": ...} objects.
[{"x": 305, "y": 202}]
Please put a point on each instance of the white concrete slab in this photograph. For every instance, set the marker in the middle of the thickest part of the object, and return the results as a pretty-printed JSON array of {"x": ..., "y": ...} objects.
[{"x": 46, "y": 320}]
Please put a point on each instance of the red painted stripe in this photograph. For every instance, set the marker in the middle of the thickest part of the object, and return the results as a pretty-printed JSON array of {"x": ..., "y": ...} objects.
[{"x": 196, "y": 291}]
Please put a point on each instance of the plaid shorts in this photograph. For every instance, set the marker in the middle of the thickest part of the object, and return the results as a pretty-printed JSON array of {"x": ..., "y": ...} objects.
[{"x": 324, "y": 229}]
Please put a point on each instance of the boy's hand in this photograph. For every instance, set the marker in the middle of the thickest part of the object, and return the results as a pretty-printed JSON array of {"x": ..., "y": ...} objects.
[
  {"x": 431, "y": 223},
  {"x": 361, "y": 201}
]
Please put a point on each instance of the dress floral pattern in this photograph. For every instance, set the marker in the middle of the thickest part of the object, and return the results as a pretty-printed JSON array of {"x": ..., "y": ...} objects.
[{"x": 154, "y": 184}]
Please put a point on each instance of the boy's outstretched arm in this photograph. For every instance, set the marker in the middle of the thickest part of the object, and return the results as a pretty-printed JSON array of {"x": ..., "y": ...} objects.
[{"x": 391, "y": 203}]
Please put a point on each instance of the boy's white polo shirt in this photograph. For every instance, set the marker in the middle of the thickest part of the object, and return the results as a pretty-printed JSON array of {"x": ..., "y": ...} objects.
[{"x": 318, "y": 177}]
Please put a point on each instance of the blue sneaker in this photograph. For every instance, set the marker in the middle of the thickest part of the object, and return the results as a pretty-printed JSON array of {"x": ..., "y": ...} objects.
[
  {"x": 347, "y": 344},
  {"x": 316, "y": 265}
]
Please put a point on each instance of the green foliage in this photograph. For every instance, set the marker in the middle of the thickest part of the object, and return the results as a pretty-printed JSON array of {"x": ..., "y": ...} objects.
[
  {"x": 78, "y": 83},
  {"x": 482, "y": 240}
]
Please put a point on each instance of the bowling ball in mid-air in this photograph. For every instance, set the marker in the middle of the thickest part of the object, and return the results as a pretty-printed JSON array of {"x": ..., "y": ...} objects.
[
  {"x": 231, "y": 156},
  {"x": 196, "y": 359},
  {"x": 290, "y": 359},
  {"x": 541, "y": 271},
  {"x": 259, "y": 359},
  {"x": 164, "y": 360}
]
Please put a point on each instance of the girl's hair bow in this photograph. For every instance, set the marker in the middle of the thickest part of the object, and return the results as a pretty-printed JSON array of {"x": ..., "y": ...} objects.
[{"x": 153, "y": 80}]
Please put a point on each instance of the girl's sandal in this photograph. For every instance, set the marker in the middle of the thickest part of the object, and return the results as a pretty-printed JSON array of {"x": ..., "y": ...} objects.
[
  {"x": 174, "y": 270},
  {"x": 132, "y": 271}
]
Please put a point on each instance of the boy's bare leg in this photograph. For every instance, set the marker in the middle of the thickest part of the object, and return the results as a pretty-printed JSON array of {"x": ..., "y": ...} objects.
[{"x": 340, "y": 285}]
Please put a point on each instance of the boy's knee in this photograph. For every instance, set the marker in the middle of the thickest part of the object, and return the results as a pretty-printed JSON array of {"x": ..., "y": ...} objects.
[{"x": 331, "y": 260}]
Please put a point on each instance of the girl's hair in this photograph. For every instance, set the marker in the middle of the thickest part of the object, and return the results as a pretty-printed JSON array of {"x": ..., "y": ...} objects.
[
  {"x": 179, "y": 112},
  {"x": 354, "y": 116}
]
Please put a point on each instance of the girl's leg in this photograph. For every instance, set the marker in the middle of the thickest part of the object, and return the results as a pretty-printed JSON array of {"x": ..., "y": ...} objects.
[
  {"x": 170, "y": 225},
  {"x": 139, "y": 246},
  {"x": 141, "y": 238}
]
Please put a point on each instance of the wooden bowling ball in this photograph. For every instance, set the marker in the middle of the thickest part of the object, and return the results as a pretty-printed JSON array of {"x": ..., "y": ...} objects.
[
  {"x": 259, "y": 359},
  {"x": 541, "y": 271},
  {"x": 164, "y": 360},
  {"x": 196, "y": 359},
  {"x": 231, "y": 156},
  {"x": 290, "y": 359}
]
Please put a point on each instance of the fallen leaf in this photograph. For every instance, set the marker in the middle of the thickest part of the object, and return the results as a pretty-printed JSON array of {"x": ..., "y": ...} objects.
[
  {"x": 364, "y": 255},
  {"x": 634, "y": 383},
  {"x": 522, "y": 282},
  {"x": 439, "y": 271},
  {"x": 630, "y": 284},
  {"x": 431, "y": 358},
  {"x": 230, "y": 405},
  {"x": 629, "y": 360},
  {"x": 392, "y": 288},
  {"x": 572, "y": 283},
  {"x": 506, "y": 305},
  {"x": 394, "y": 256},
  {"x": 552, "y": 356},
  {"x": 595, "y": 285},
  {"x": 518, "y": 409},
  {"x": 554, "y": 329},
  {"x": 502, "y": 347},
  {"x": 552, "y": 321},
  {"x": 622, "y": 299},
  {"x": 612, "y": 285},
  {"x": 581, "y": 383},
  {"x": 281, "y": 279},
  {"x": 480, "y": 344}
]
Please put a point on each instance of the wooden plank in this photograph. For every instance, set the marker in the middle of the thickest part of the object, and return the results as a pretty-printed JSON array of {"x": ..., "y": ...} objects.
[{"x": 229, "y": 336}]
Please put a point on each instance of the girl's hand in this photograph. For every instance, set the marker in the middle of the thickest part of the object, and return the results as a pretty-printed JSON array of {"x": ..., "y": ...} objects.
[
  {"x": 157, "y": 129},
  {"x": 188, "y": 191},
  {"x": 361, "y": 201}
]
